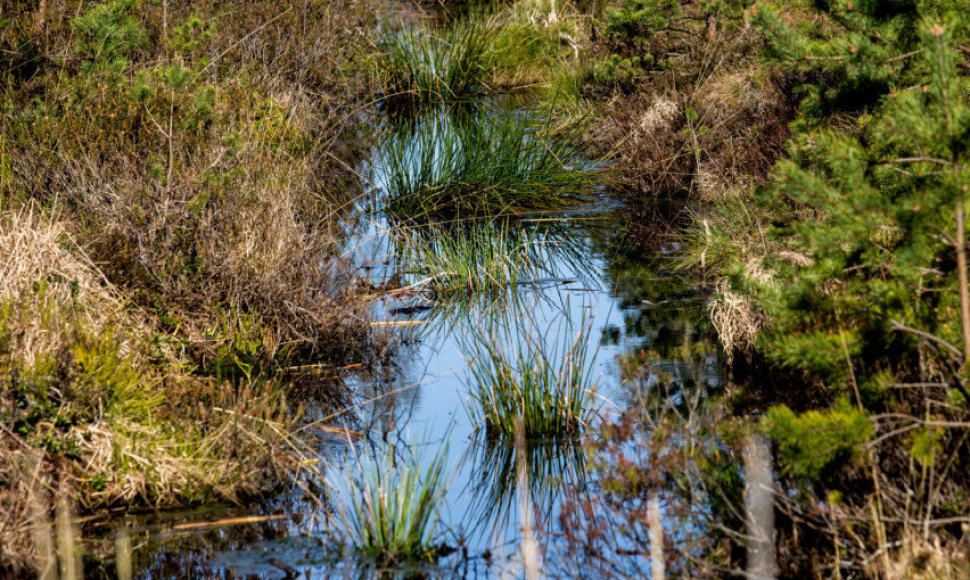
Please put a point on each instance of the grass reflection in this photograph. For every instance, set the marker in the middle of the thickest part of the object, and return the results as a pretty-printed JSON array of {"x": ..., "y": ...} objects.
[
  {"x": 488, "y": 256},
  {"x": 553, "y": 467},
  {"x": 530, "y": 375}
]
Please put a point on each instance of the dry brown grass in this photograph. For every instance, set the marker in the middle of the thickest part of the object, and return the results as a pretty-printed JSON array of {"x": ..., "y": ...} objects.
[
  {"x": 703, "y": 133},
  {"x": 85, "y": 408},
  {"x": 930, "y": 560},
  {"x": 36, "y": 251},
  {"x": 706, "y": 128},
  {"x": 171, "y": 227},
  {"x": 736, "y": 320},
  {"x": 212, "y": 202}
]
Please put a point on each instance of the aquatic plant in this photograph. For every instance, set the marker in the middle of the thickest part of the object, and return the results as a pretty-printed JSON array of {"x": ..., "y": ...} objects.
[
  {"x": 491, "y": 255},
  {"x": 529, "y": 377},
  {"x": 501, "y": 162},
  {"x": 480, "y": 257},
  {"x": 390, "y": 509},
  {"x": 445, "y": 64}
]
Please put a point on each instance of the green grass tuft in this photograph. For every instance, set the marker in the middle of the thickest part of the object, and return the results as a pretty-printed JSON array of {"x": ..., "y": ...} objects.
[
  {"x": 391, "y": 509},
  {"x": 506, "y": 162},
  {"x": 524, "y": 376},
  {"x": 448, "y": 64}
]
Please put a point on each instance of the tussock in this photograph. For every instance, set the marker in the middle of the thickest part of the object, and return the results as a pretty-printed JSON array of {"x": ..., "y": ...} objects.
[
  {"x": 660, "y": 115},
  {"x": 712, "y": 186},
  {"x": 36, "y": 252},
  {"x": 735, "y": 319},
  {"x": 33, "y": 248},
  {"x": 74, "y": 375}
]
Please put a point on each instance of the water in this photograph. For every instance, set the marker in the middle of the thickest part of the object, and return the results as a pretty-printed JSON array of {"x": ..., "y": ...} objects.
[
  {"x": 424, "y": 399},
  {"x": 502, "y": 511}
]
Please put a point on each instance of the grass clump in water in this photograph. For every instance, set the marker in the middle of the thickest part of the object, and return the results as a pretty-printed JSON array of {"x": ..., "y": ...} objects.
[
  {"x": 478, "y": 256},
  {"x": 391, "y": 509},
  {"x": 505, "y": 162},
  {"x": 522, "y": 373},
  {"x": 447, "y": 64}
]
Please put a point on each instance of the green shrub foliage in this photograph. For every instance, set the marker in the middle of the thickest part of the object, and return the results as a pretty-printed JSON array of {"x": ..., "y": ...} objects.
[
  {"x": 870, "y": 205},
  {"x": 814, "y": 442}
]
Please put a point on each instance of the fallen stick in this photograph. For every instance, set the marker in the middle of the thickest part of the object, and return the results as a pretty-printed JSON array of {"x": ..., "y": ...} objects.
[
  {"x": 231, "y": 522},
  {"x": 398, "y": 322}
]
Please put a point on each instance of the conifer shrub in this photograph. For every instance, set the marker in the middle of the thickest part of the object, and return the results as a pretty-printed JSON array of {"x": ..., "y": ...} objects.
[
  {"x": 816, "y": 444},
  {"x": 638, "y": 20},
  {"x": 860, "y": 276},
  {"x": 876, "y": 207}
]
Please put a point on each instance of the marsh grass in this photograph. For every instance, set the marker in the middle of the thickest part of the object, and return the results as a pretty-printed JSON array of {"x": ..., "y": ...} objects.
[
  {"x": 501, "y": 162},
  {"x": 535, "y": 40},
  {"x": 169, "y": 197},
  {"x": 89, "y": 398},
  {"x": 485, "y": 255},
  {"x": 524, "y": 372},
  {"x": 442, "y": 64},
  {"x": 391, "y": 506},
  {"x": 160, "y": 139},
  {"x": 487, "y": 50}
]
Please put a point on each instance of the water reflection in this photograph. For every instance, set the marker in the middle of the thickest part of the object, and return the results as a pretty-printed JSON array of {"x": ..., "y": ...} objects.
[
  {"x": 760, "y": 509},
  {"x": 460, "y": 259},
  {"x": 552, "y": 467},
  {"x": 506, "y": 505}
]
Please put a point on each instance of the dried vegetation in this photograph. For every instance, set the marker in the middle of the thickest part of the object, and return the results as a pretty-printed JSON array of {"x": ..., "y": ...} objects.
[{"x": 172, "y": 176}]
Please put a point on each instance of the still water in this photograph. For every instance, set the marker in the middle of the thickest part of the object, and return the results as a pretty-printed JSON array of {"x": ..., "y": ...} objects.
[{"x": 501, "y": 516}]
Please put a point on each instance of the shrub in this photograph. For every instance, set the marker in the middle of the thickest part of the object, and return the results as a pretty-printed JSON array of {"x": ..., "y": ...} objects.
[
  {"x": 637, "y": 20},
  {"x": 879, "y": 213},
  {"x": 816, "y": 444}
]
